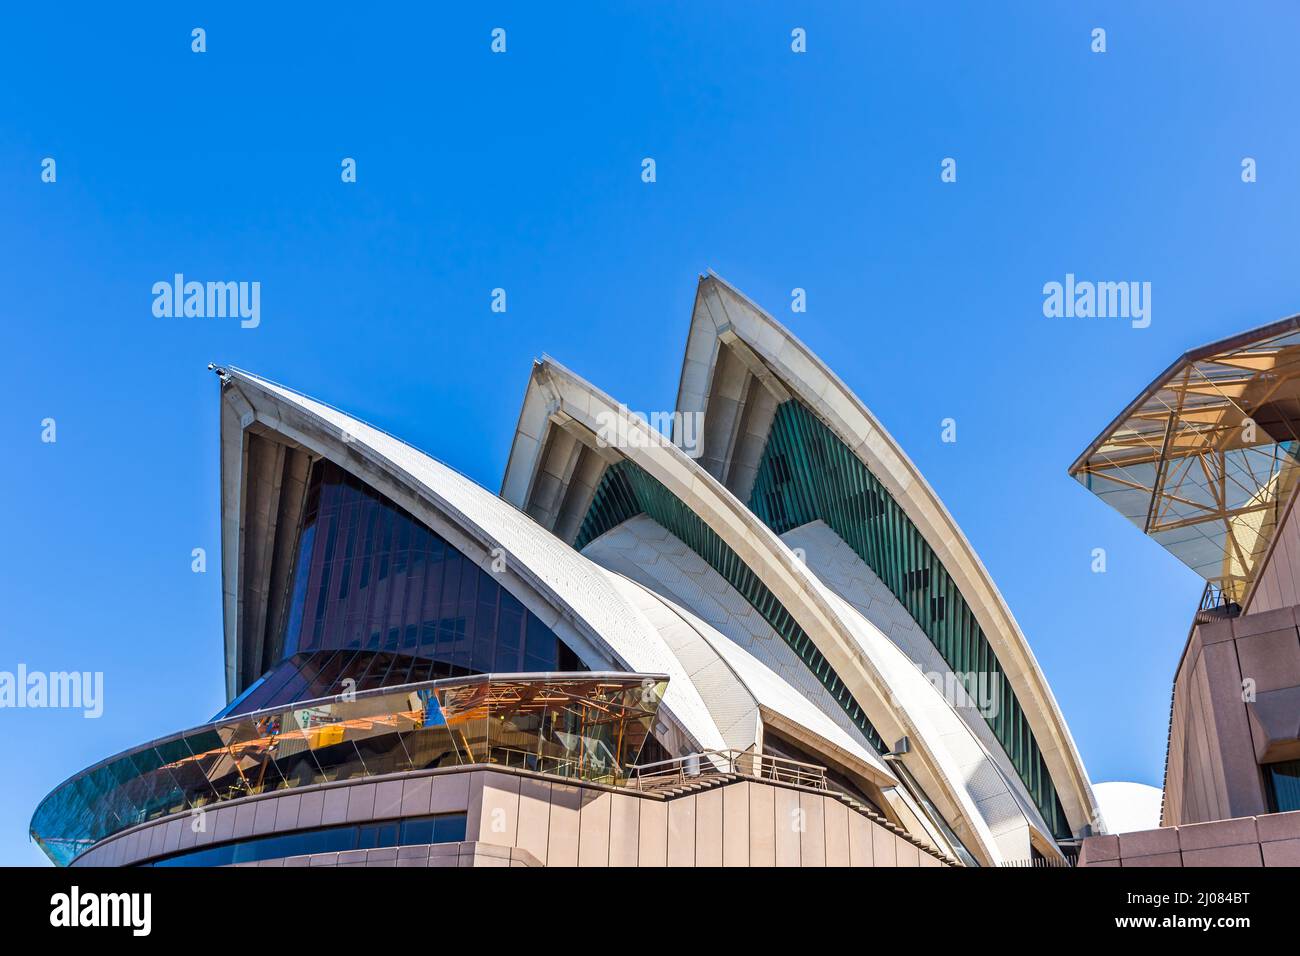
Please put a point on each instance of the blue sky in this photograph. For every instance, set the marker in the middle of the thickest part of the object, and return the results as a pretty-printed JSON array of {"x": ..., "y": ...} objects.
[{"x": 522, "y": 171}]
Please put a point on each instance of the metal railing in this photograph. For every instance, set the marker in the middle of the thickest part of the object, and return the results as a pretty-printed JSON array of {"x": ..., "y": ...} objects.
[
  {"x": 1216, "y": 605},
  {"x": 1040, "y": 863},
  {"x": 556, "y": 766},
  {"x": 698, "y": 767}
]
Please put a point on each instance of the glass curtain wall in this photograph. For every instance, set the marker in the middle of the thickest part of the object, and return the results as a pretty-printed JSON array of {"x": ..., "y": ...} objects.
[
  {"x": 378, "y": 599},
  {"x": 588, "y": 726},
  {"x": 806, "y": 473}
]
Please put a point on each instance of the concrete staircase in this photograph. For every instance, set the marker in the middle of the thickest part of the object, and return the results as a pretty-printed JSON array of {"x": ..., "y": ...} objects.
[{"x": 676, "y": 787}]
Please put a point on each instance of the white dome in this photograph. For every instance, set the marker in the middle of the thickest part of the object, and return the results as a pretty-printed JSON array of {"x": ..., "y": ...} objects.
[{"x": 1126, "y": 807}]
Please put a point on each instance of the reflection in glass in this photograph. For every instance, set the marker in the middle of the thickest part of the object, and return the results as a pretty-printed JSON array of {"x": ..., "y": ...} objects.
[{"x": 586, "y": 726}]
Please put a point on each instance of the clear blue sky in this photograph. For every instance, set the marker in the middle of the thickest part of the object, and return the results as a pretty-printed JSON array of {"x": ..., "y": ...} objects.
[{"x": 523, "y": 171}]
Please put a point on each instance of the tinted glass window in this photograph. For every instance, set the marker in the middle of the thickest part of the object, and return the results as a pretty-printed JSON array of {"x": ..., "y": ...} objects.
[
  {"x": 1284, "y": 785},
  {"x": 446, "y": 828},
  {"x": 380, "y": 600}
]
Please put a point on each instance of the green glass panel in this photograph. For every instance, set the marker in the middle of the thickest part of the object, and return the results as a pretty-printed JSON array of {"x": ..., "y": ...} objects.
[
  {"x": 625, "y": 490},
  {"x": 808, "y": 474}
]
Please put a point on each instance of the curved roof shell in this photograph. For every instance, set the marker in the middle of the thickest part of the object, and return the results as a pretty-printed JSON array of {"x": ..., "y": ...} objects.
[
  {"x": 740, "y": 364},
  {"x": 566, "y": 591},
  {"x": 561, "y": 405}
]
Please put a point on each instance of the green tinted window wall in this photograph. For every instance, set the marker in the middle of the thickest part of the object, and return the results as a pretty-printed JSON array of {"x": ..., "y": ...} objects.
[
  {"x": 807, "y": 473},
  {"x": 625, "y": 490}
]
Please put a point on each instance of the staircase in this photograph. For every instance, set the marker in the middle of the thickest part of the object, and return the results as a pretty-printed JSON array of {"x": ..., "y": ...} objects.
[{"x": 678, "y": 786}]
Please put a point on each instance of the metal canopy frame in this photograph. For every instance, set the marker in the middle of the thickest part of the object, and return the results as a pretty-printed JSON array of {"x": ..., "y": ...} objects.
[{"x": 1205, "y": 459}]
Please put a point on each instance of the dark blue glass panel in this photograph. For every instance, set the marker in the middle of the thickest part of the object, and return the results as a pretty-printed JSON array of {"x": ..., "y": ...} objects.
[
  {"x": 1284, "y": 785},
  {"x": 446, "y": 828},
  {"x": 379, "y": 599}
]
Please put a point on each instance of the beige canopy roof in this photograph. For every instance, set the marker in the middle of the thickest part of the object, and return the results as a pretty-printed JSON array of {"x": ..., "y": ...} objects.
[{"x": 1204, "y": 460}]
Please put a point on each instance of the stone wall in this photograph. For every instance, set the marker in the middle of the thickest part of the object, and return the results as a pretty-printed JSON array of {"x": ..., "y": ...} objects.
[{"x": 1270, "y": 840}]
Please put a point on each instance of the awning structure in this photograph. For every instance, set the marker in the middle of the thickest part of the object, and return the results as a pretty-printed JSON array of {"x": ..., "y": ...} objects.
[{"x": 1204, "y": 460}]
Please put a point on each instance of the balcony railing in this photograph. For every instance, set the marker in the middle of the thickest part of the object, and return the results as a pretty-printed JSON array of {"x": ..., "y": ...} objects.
[
  {"x": 1216, "y": 605},
  {"x": 699, "y": 767}
]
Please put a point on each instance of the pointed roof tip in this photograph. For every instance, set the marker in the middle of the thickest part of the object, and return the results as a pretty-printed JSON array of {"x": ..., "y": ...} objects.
[
  {"x": 229, "y": 373},
  {"x": 550, "y": 361},
  {"x": 712, "y": 276},
  {"x": 733, "y": 290},
  {"x": 234, "y": 371}
]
